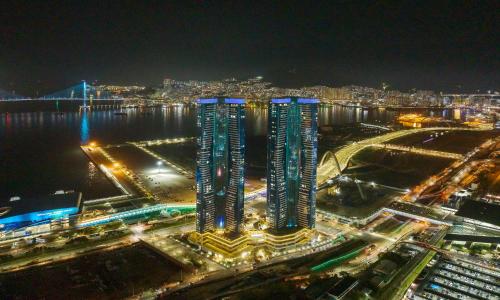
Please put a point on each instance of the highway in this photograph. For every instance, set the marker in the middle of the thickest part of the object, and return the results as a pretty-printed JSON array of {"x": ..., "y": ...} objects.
[
  {"x": 157, "y": 142},
  {"x": 420, "y": 151},
  {"x": 78, "y": 250},
  {"x": 64, "y": 254},
  {"x": 328, "y": 169}
]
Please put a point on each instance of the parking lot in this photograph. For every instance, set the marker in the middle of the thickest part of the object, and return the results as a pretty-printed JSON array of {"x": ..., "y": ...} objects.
[{"x": 458, "y": 279}]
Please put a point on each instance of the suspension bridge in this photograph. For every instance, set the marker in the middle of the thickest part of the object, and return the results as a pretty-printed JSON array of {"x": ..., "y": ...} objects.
[{"x": 83, "y": 92}]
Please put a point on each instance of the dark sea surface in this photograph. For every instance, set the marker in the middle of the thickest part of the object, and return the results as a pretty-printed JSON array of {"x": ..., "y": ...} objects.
[{"x": 39, "y": 151}]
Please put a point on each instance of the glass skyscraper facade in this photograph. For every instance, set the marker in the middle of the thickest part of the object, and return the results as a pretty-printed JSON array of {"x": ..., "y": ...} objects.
[
  {"x": 292, "y": 162},
  {"x": 220, "y": 164}
]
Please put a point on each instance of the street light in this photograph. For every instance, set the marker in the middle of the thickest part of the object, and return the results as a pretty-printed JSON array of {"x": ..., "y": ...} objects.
[{"x": 159, "y": 164}]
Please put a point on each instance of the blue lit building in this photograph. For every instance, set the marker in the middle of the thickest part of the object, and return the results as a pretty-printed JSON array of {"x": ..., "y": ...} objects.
[
  {"x": 18, "y": 213},
  {"x": 291, "y": 163},
  {"x": 220, "y": 164}
]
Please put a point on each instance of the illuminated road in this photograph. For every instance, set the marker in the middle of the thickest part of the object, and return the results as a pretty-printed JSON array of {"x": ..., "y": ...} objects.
[
  {"x": 328, "y": 169},
  {"x": 422, "y": 213},
  {"x": 421, "y": 151},
  {"x": 382, "y": 244},
  {"x": 375, "y": 126},
  {"x": 65, "y": 253},
  {"x": 134, "y": 212},
  {"x": 179, "y": 140},
  {"x": 72, "y": 252}
]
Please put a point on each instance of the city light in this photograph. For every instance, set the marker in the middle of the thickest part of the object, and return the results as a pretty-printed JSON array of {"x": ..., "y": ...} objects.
[{"x": 303, "y": 184}]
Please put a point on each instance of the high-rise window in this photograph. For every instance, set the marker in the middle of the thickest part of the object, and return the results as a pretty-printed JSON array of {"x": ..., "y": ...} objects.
[
  {"x": 220, "y": 164},
  {"x": 292, "y": 159}
]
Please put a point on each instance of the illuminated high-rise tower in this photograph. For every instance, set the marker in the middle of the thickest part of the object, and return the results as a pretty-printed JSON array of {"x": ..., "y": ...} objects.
[
  {"x": 220, "y": 164},
  {"x": 291, "y": 162}
]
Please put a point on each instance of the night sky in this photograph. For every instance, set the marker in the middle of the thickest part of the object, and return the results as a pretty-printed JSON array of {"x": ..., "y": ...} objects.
[{"x": 447, "y": 45}]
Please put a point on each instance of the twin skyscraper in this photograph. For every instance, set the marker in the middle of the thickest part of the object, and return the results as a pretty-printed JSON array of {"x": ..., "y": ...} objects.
[{"x": 291, "y": 164}]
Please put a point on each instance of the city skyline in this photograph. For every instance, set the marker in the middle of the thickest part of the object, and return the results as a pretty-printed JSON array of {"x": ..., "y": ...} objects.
[
  {"x": 249, "y": 150},
  {"x": 424, "y": 45}
]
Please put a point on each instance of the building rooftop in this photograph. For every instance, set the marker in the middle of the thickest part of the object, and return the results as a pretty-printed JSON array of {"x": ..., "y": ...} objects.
[
  {"x": 385, "y": 267},
  {"x": 299, "y": 100},
  {"x": 21, "y": 206},
  {"x": 221, "y": 100}
]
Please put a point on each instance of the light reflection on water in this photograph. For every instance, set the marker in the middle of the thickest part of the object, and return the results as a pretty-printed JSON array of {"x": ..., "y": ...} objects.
[
  {"x": 84, "y": 129},
  {"x": 39, "y": 151}
]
